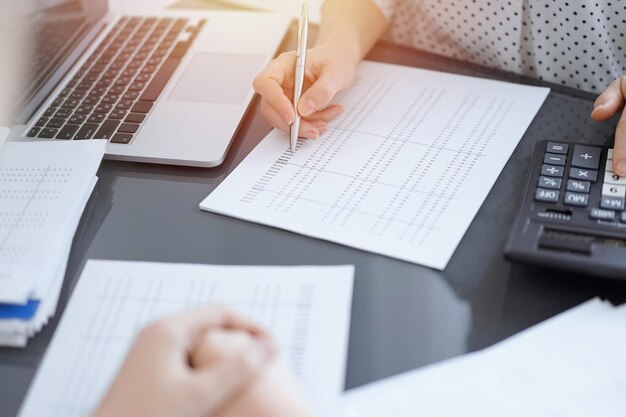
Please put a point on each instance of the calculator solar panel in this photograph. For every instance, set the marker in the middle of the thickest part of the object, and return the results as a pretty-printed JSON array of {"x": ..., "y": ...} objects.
[{"x": 573, "y": 214}]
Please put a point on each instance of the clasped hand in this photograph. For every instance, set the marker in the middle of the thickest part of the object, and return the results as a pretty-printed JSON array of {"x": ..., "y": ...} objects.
[{"x": 164, "y": 374}]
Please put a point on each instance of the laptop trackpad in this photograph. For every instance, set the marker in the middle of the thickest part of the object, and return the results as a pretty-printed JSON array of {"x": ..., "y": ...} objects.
[{"x": 217, "y": 78}]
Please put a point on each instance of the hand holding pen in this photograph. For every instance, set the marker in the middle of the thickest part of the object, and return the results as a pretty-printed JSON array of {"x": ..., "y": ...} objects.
[{"x": 330, "y": 68}]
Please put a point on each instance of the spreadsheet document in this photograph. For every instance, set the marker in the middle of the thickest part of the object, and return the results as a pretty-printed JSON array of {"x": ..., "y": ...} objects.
[
  {"x": 303, "y": 307},
  {"x": 402, "y": 172}
]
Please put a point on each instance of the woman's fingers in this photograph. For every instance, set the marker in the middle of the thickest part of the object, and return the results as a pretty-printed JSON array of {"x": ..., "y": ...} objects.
[
  {"x": 319, "y": 95},
  {"x": 277, "y": 107},
  {"x": 270, "y": 84},
  {"x": 271, "y": 114},
  {"x": 214, "y": 386},
  {"x": 610, "y": 101},
  {"x": 327, "y": 73},
  {"x": 184, "y": 329},
  {"x": 312, "y": 129},
  {"x": 309, "y": 129},
  {"x": 327, "y": 114},
  {"x": 274, "y": 95},
  {"x": 619, "y": 151}
]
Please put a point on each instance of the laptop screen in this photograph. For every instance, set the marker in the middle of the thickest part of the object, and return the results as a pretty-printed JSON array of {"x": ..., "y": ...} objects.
[{"x": 37, "y": 38}]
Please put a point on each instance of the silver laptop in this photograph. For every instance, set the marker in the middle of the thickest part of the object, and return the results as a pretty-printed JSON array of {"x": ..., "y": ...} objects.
[{"x": 169, "y": 88}]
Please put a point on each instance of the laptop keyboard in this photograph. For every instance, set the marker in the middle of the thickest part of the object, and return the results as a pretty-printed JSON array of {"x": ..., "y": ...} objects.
[{"x": 112, "y": 93}]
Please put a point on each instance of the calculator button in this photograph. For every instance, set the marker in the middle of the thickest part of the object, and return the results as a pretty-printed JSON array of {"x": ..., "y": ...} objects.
[
  {"x": 554, "y": 159},
  {"x": 586, "y": 157},
  {"x": 610, "y": 190},
  {"x": 623, "y": 217},
  {"x": 612, "y": 203},
  {"x": 576, "y": 199},
  {"x": 610, "y": 155},
  {"x": 548, "y": 182},
  {"x": 612, "y": 178},
  {"x": 559, "y": 148},
  {"x": 601, "y": 214},
  {"x": 583, "y": 174},
  {"x": 552, "y": 171},
  {"x": 578, "y": 186},
  {"x": 547, "y": 196}
]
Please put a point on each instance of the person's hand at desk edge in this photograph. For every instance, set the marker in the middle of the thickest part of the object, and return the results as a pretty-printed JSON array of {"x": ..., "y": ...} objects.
[
  {"x": 607, "y": 105},
  {"x": 350, "y": 28},
  {"x": 205, "y": 363}
]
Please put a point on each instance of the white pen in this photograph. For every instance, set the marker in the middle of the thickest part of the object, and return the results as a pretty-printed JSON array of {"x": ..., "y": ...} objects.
[{"x": 303, "y": 35}]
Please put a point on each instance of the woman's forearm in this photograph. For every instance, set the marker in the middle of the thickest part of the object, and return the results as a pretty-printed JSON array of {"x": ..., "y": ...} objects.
[{"x": 352, "y": 25}]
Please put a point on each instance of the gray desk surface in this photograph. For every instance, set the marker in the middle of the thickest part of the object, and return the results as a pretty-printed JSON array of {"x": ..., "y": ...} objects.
[{"x": 403, "y": 315}]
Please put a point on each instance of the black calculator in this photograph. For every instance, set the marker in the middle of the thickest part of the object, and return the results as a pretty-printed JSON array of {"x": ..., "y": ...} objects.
[{"x": 573, "y": 213}]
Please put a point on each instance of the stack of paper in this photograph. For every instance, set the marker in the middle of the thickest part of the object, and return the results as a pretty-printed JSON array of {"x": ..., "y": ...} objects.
[
  {"x": 44, "y": 188},
  {"x": 572, "y": 365},
  {"x": 307, "y": 309}
]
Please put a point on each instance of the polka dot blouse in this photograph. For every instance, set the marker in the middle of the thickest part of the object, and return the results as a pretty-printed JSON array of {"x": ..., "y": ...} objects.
[{"x": 580, "y": 44}]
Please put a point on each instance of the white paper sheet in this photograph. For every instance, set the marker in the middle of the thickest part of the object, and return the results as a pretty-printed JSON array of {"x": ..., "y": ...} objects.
[
  {"x": 43, "y": 187},
  {"x": 401, "y": 173},
  {"x": 570, "y": 366},
  {"x": 304, "y": 307}
]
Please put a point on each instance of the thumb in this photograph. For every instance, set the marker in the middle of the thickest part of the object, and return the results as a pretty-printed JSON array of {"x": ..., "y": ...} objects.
[
  {"x": 320, "y": 93},
  {"x": 610, "y": 101},
  {"x": 214, "y": 387},
  {"x": 619, "y": 152}
]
